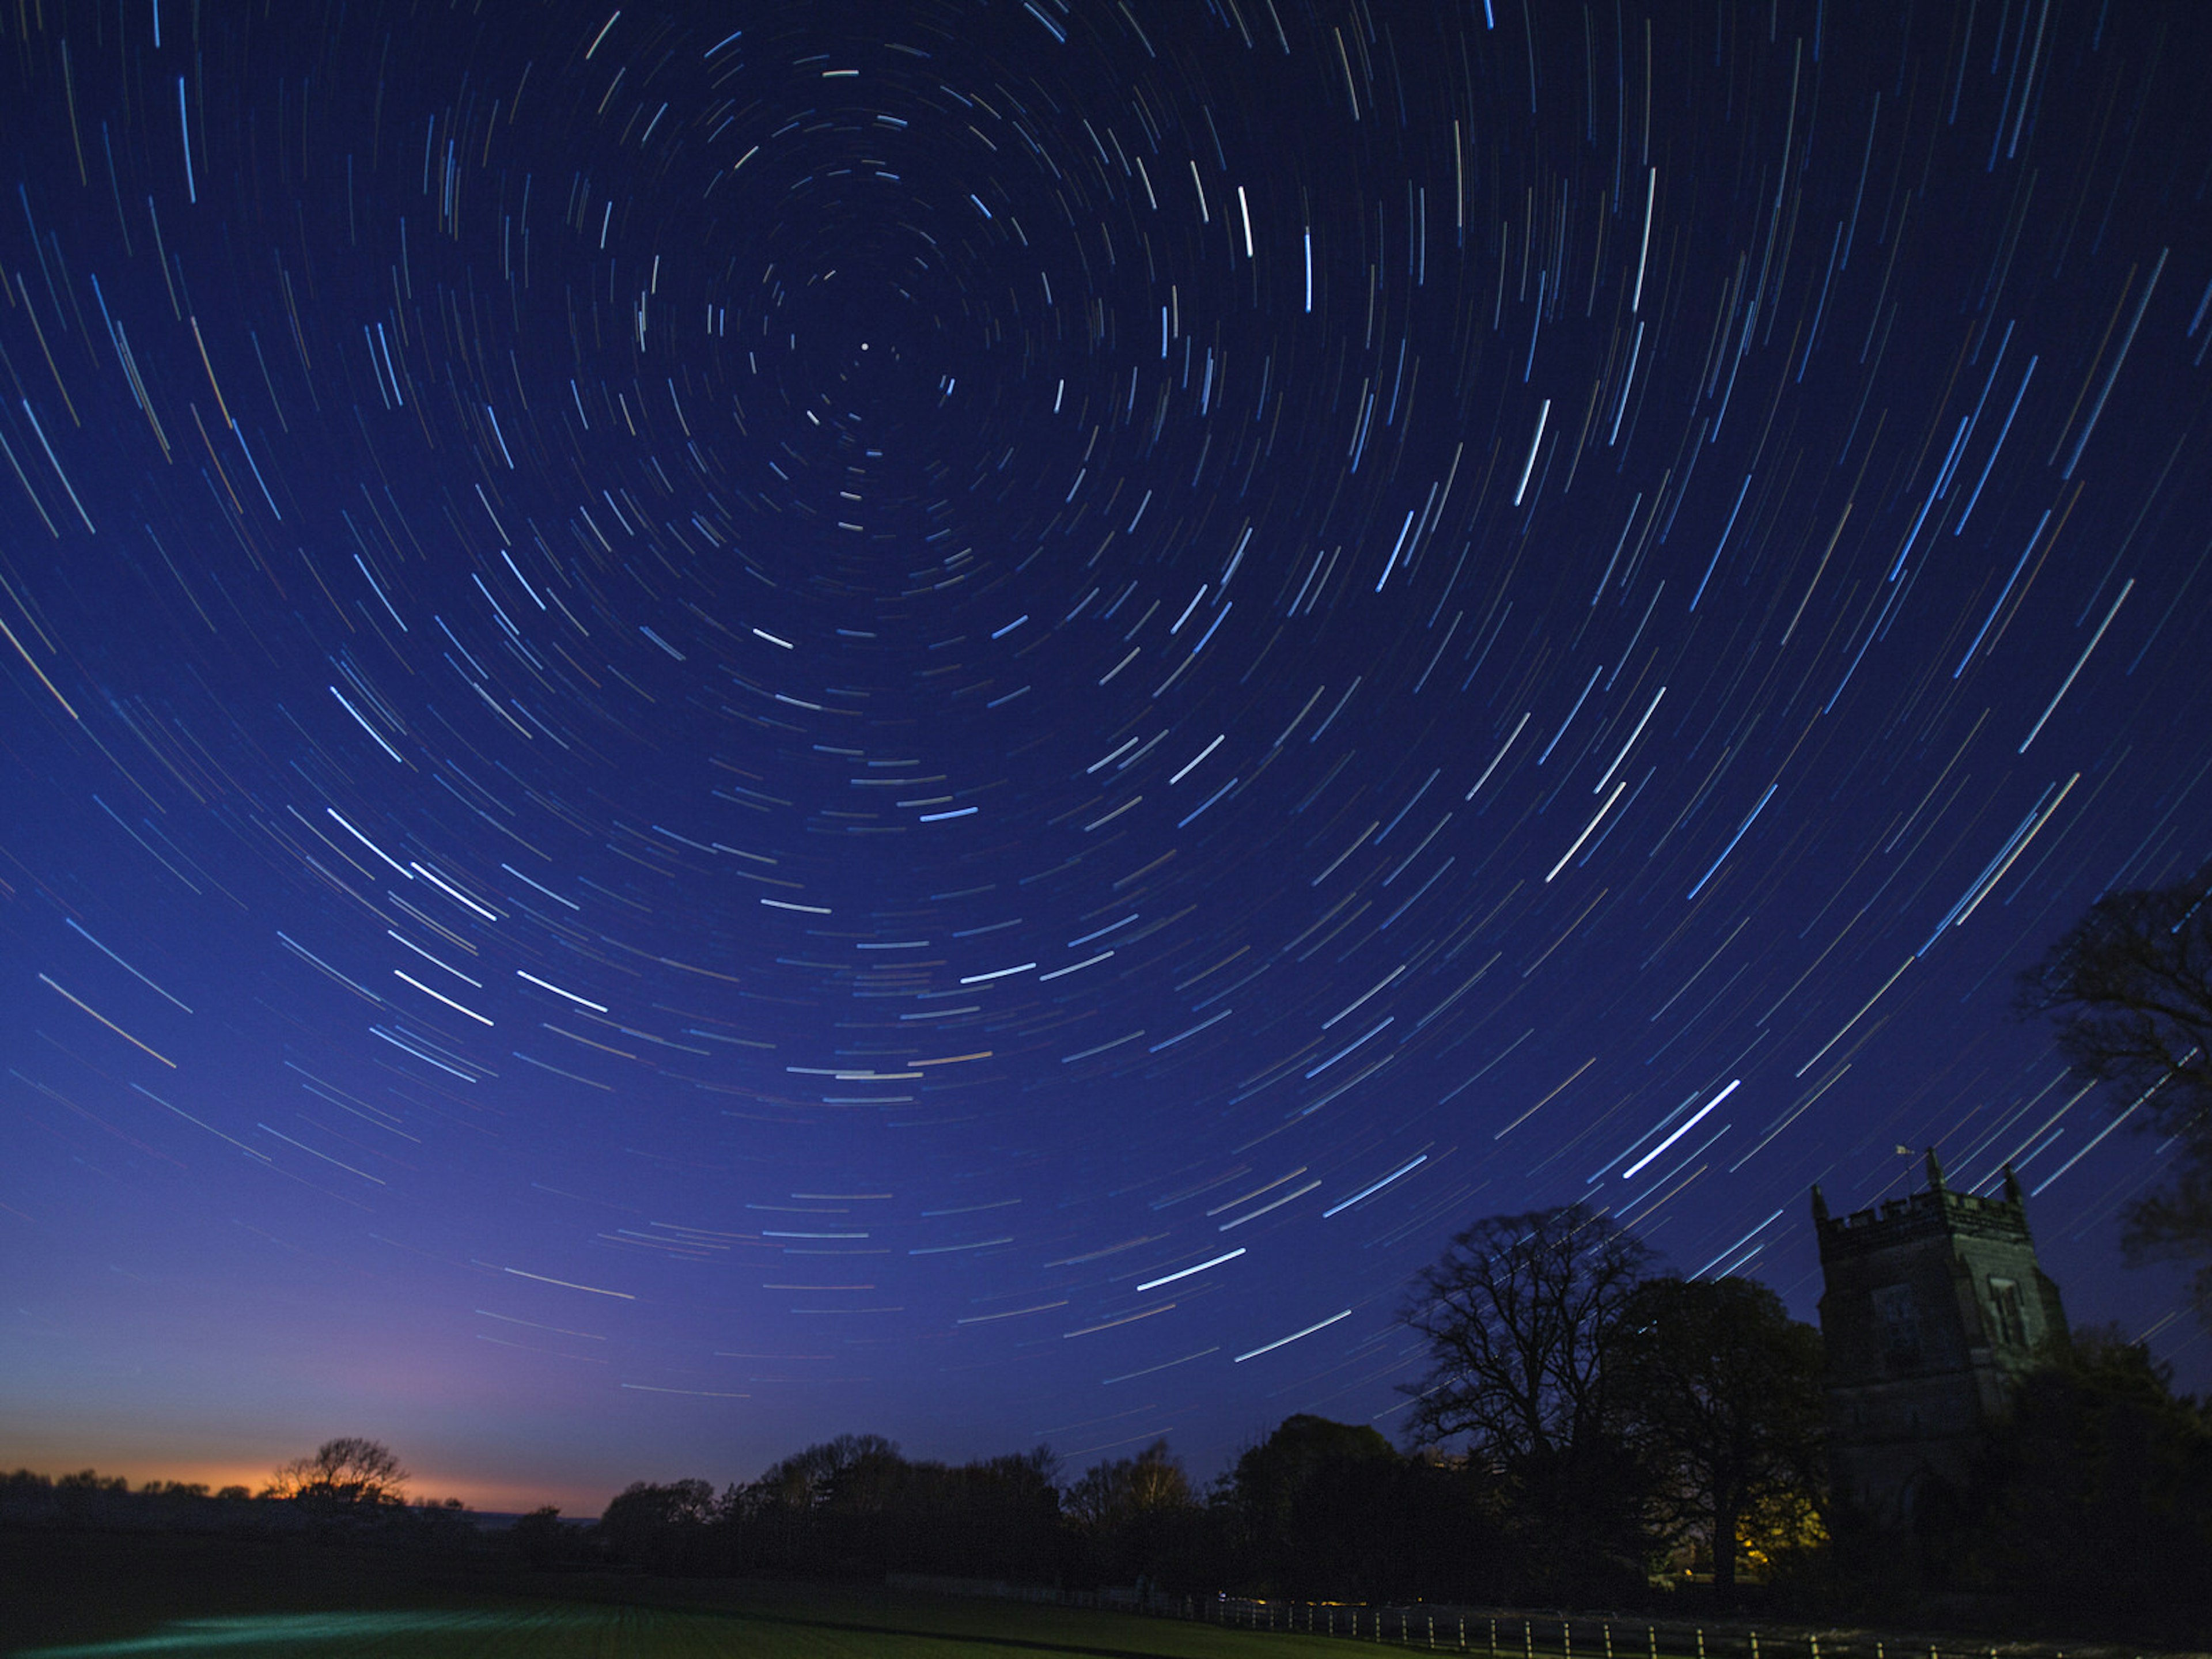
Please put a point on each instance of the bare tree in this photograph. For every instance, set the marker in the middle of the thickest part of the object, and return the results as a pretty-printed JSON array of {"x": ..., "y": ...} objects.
[
  {"x": 1137, "y": 1516},
  {"x": 1521, "y": 1314},
  {"x": 1116, "y": 1492},
  {"x": 2131, "y": 986},
  {"x": 854, "y": 1472},
  {"x": 348, "y": 1471}
]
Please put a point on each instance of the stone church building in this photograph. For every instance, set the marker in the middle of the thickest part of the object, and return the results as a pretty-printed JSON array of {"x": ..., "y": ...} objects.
[{"x": 1932, "y": 1304}]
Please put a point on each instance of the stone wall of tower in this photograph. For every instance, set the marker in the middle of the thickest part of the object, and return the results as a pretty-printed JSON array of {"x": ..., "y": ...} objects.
[{"x": 1932, "y": 1304}]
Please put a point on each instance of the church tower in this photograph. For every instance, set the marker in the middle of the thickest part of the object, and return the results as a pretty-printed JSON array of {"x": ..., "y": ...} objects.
[{"x": 1932, "y": 1304}]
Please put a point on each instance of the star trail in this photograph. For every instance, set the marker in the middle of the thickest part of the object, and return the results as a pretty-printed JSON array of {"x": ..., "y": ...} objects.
[{"x": 730, "y": 722}]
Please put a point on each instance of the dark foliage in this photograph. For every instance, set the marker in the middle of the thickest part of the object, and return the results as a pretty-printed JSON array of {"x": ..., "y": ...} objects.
[
  {"x": 1719, "y": 1391},
  {"x": 88, "y": 1501},
  {"x": 2130, "y": 987},
  {"x": 2093, "y": 1506},
  {"x": 663, "y": 1528},
  {"x": 1327, "y": 1512},
  {"x": 542, "y": 1540},
  {"x": 1650, "y": 1410},
  {"x": 852, "y": 1507},
  {"x": 1136, "y": 1519},
  {"x": 1301, "y": 1508}
]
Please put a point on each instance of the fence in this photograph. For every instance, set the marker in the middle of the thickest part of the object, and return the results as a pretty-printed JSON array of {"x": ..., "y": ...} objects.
[{"x": 1502, "y": 1635}]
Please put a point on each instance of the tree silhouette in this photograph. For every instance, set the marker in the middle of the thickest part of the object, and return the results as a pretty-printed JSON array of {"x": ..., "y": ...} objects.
[
  {"x": 346, "y": 1473},
  {"x": 1523, "y": 1317},
  {"x": 852, "y": 1474},
  {"x": 1521, "y": 1314},
  {"x": 1720, "y": 1392},
  {"x": 1314, "y": 1509},
  {"x": 662, "y": 1527},
  {"x": 541, "y": 1539},
  {"x": 1135, "y": 1514},
  {"x": 2130, "y": 985}
]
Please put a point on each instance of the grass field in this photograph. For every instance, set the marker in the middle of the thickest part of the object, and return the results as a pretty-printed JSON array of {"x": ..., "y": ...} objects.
[
  {"x": 830, "y": 1628},
  {"x": 91, "y": 1598}
]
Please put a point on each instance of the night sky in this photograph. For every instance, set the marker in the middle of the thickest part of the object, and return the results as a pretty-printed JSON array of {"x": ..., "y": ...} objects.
[{"x": 730, "y": 722}]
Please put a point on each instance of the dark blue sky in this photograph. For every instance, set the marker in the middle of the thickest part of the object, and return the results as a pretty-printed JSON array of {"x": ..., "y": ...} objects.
[{"x": 725, "y": 723}]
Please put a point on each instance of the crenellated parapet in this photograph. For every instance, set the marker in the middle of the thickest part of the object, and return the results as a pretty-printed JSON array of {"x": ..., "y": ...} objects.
[{"x": 1933, "y": 1303}]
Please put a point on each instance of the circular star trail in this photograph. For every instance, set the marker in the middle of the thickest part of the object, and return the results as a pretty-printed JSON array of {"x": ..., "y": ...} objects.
[{"x": 730, "y": 723}]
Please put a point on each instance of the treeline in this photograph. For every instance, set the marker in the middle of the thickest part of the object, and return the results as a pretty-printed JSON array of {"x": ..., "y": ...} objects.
[
  {"x": 1320, "y": 1510},
  {"x": 1586, "y": 1423},
  {"x": 89, "y": 1501},
  {"x": 2090, "y": 1511},
  {"x": 1588, "y": 1432}
]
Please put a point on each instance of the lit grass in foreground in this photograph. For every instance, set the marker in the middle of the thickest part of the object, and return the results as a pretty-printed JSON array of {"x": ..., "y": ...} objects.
[{"x": 774, "y": 1623}]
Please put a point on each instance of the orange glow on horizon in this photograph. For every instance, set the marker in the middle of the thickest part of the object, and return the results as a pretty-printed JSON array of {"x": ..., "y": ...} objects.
[{"x": 492, "y": 1495}]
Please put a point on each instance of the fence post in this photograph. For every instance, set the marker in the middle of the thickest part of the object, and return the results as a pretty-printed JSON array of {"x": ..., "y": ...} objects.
[
  {"x": 1493, "y": 1638},
  {"x": 1814, "y": 1640},
  {"x": 1432, "y": 1636},
  {"x": 1528, "y": 1641},
  {"x": 1567, "y": 1641},
  {"x": 1608, "y": 1641},
  {"x": 1755, "y": 1644},
  {"x": 1651, "y": 1634},
  {"x": 1701, "y": 1642}
]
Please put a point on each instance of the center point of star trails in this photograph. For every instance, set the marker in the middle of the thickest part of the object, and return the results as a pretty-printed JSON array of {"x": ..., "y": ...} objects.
[{"x": 1064, "y": 513}]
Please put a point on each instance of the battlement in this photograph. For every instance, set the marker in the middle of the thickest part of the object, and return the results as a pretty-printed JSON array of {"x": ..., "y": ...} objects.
[
  {"x": 1924, "y": 1214},
  {"x": 1932, "y": 1304},
  {"x": 1938, "y": 1211}
]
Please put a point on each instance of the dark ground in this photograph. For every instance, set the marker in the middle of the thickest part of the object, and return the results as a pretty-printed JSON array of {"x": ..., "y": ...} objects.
[{"x": 62, "y": 1587}]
